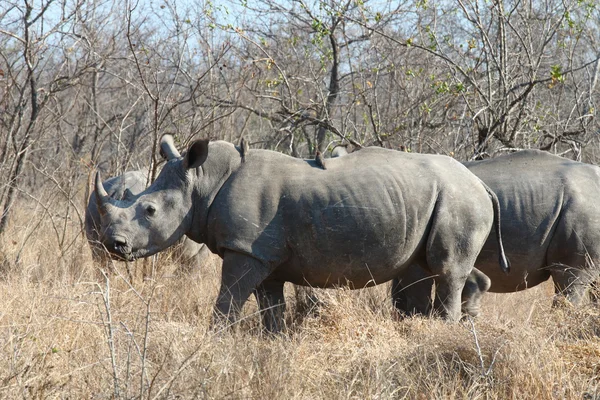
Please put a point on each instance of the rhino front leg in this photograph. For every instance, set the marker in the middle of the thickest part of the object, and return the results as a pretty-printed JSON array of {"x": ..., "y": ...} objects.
[
  {"x": 271, "y": 303},
  {"x": 241, "y": 275}
]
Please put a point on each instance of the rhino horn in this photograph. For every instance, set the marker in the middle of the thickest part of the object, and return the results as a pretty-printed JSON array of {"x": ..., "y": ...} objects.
[
  {"x": 101, "y": 195},
  {"x": 127, "y": 195},
  {"x": 167, "y": 148}
]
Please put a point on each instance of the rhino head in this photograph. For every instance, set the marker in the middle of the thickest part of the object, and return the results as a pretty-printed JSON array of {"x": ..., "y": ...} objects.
[{"x": 141, "y": 225}]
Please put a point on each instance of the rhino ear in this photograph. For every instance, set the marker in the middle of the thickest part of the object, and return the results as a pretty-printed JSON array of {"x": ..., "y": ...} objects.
[{"x": 196, "y": 154}]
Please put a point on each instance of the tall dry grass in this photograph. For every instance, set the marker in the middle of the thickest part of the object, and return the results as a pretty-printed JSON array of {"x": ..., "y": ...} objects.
[{"x": 68, "y": 331}]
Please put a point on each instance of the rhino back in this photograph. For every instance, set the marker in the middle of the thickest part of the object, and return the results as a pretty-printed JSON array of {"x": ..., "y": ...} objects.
[
  {"x": 369, "y": 213},
  {"x": 537, "y": 192}
]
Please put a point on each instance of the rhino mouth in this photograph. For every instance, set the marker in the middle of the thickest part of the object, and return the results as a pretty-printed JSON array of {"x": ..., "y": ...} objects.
[
  {"x": 128, "y": 254},
  {"x": 122, "y": 250},
  {"x": 124, "y": 256},
  {"x": 119, "y": 255}
]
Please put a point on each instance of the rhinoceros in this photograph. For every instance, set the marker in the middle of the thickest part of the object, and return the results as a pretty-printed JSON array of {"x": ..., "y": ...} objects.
[
  {"x": 551, "y": 228},
  {"x": 275, "y": 219},
  {"x": 122, "y": 188}
]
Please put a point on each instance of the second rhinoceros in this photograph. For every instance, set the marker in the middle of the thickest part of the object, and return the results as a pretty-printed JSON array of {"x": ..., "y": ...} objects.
[
  {"x": 551, "y": 228},
  {"x": 276, "y": 219}
]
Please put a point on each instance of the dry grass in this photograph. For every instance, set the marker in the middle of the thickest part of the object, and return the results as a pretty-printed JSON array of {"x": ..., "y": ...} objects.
[{"x": 57, "y": 342}]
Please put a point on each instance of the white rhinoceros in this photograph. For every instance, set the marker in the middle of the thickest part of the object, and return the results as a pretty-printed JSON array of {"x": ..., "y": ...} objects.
[
  {"x": 276, "y": 219},
  {"x": 551, "y": 228}
]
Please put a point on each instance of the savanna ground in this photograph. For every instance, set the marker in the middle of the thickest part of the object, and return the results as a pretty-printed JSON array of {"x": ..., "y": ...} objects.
[{"x": 68, "y": 332}]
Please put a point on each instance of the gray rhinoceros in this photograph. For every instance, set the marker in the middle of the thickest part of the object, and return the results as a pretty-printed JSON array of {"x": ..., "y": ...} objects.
[
  {"x": 551, "y": 228},
  {"x": 276, "y": 219},
  {"x": 122, "y": 188}
]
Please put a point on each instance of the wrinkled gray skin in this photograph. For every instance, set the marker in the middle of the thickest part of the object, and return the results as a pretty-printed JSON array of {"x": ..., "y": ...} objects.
[
  {"x": 123, "y": 187},
  {"x": 276, "y": 219},
  {"x": 551, "y": 228}
]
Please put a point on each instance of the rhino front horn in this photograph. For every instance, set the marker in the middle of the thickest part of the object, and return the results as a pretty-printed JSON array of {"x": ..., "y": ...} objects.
[
  {"x": 101, "y": 194},
  {"x": 167, "y": 148}
]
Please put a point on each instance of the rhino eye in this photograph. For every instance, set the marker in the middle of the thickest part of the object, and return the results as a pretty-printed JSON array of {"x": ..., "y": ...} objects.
[{"x": 150, "y": 210}]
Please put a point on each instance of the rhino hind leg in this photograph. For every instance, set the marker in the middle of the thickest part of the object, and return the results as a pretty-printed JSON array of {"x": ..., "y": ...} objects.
[
  {"x": 476, "y": 286},
  {"x": 452, "y": 248},
  {"x": 411, "y": 291},
  {"x": 241, "y": 275},
  {"x": 447, "y": 299},
  {"x": 271, "y": 303}
]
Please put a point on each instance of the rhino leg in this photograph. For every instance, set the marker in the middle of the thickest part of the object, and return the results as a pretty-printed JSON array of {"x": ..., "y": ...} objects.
[
  {"x": 191, "y": 255},
  {"x": 571, "y": 283},
  {"x": 573, "y": 255},
  {"x": 447, "y": 301},
  {"x": 411, "y": 291},
  {"x": 203, "y": 254},
  {"x": 271, "y": 304},
  {"x": 475, "y": 287},
  {"x": 241, "y": 275},
  {"x": 450, "y": 254}
]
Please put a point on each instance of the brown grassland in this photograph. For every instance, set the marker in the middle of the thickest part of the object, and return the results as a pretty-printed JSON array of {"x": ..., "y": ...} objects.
[{"x": 68, "y": 332}]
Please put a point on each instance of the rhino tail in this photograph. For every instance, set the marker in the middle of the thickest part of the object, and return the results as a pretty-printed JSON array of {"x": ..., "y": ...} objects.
[{"x": 504, "y": 263}]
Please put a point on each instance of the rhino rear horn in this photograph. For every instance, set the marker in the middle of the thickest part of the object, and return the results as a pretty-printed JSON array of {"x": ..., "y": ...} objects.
[
  {"x": 101, "y": 195},
  {"x": 167, "y": 148},
  {"x": 127, "y": 195}
]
